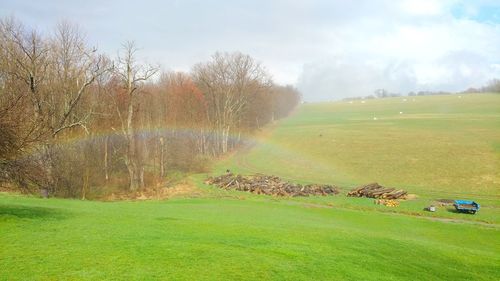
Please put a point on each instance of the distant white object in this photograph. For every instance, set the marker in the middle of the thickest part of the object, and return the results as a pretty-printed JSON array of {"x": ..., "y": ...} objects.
[
  {"x": 459, "y": 97},
  {"x": 374, "y": 118},
  {"x": 362, "y": 101},
  {"x": 401, "y": 112},
  {"x": 404, "y": 99},
  {"x": 350, "y": 102}
]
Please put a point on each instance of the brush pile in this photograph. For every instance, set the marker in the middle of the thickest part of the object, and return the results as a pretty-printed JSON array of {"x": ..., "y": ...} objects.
[
  {"x": 374, "y": 190},
  {"x": 269, "y": 185}
]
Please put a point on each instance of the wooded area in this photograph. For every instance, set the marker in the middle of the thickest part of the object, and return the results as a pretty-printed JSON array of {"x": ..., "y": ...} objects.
[{"x": 78, "y": 123}]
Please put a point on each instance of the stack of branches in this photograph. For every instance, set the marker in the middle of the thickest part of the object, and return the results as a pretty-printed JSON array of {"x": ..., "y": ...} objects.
[
  {"x": 269, "y": 185},
  {"x": 374, "y": 190}
]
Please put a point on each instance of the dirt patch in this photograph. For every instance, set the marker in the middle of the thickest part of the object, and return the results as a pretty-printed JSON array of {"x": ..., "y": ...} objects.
[
  {"x": 158, "y": 193},
  {"x": 411, "y": 196},
  {"x": 6, "y": 190},
  {"x": 445, "y": 202},
  {"x": 316, "y": 206}
]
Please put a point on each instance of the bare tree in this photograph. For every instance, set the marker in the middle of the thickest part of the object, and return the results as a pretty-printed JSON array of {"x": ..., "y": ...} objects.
[
  {"x": 24, "y": 67},
  {"x": 74, "y": 68},
  {"x": 51, "y": 75},
  {"x": 228, "y": 81},
  {"x": 56, "y": 73},
  {"x": 54, "y": 87},
  {"x": 132, "y": 76}
]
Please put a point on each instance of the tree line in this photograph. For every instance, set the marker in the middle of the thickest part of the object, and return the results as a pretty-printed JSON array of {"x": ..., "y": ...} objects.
[
  {"x": 77, "y": 123},
  {"x": 493, "y": 86}
]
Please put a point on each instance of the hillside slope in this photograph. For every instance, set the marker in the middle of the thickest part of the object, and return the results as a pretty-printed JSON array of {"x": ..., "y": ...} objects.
[
  {"x": 439, "y": 147},
  {"x": 435, "y": 147}
]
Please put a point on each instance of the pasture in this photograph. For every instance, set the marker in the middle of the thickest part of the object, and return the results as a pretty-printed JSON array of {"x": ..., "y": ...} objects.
[{"x": 439, "y": 147}]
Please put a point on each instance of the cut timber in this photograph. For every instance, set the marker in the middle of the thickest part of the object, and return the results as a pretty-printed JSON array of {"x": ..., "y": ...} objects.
[
  {"x": 270, "y": 185},
  {"x": 374, "y": 190}
]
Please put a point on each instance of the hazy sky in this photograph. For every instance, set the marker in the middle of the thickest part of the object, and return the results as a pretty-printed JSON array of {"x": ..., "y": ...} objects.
[{"x": 328, "y": 49}]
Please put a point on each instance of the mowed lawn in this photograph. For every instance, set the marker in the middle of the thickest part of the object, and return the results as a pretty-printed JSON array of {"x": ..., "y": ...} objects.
[
  {"x": 439, "y": 147},
  {"x": 226, "y": 239}
]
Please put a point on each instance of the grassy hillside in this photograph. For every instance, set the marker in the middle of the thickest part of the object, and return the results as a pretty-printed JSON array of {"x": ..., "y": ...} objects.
[
  {"x": 224, "y": 239},
  {"x": 441, "y": 143},
  {"x": 439, "y": 147}
]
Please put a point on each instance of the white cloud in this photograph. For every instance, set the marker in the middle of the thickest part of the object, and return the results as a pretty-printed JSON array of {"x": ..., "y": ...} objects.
[
  {"x": 428, "y": 50},
  {"x": 422, "y": 7}
]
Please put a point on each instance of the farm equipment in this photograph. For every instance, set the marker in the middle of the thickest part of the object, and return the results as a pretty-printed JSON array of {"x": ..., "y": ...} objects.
[
  {"x": 431, "y": 208},
  {"x": 466, "y": 206}
]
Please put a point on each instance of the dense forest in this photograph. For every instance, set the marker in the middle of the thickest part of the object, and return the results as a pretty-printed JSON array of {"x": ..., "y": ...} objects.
[{"x": 77, "y": 123}]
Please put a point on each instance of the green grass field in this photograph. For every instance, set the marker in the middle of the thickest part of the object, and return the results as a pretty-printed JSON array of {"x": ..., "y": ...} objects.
[{"x": 439, "y": 147}]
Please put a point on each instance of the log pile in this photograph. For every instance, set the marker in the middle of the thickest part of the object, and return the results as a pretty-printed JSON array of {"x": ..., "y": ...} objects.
[
  {"x": 387, "y": 202},
  {"x": 269, "y": 185},
  {"x": 374, "y": 190},
  {"x": 445, "y": 202}
]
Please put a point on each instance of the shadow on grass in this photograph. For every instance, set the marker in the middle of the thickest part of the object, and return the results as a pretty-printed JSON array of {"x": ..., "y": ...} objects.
[
  {"x": 27, "y": 212},
  {"x": 455, "y": 211}
]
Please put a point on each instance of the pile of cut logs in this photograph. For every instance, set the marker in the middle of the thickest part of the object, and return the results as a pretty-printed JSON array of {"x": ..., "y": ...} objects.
[
  {"x": 387, "y": 202},
  {"x": 269, "y": 185},
  {"x": 374, "y": 190}
]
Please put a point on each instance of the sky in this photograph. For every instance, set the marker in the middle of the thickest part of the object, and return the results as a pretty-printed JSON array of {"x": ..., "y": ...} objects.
[{"x": 328, "y": 49}]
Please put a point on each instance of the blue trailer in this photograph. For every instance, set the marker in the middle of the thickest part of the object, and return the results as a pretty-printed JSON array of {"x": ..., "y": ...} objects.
[{"x": 466, "y": 206}]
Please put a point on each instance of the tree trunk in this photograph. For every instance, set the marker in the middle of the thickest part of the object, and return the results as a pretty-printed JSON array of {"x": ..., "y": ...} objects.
[
  {"x": 133, "y": 168},
  {"x": 162, "y": 159},
  {"x": 85, "y": 185},
  {"x": 141, "y": 177},
  {"x": 106, "y": 175},
  {"x": 133, "y": 171},
  {"x": 50, "y": 183},
  {"x": 131, "y": 160}
]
